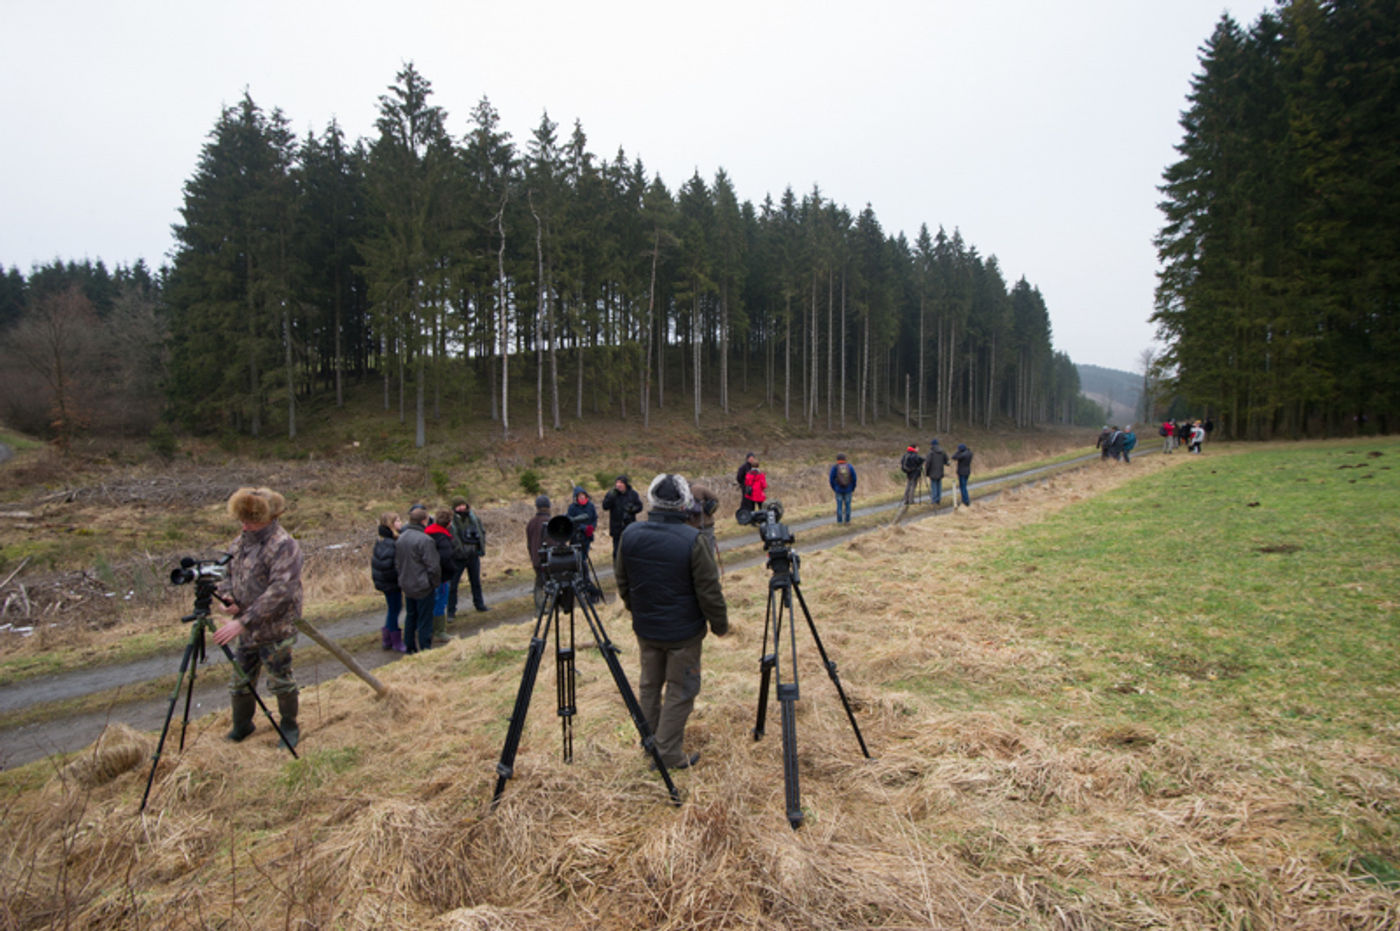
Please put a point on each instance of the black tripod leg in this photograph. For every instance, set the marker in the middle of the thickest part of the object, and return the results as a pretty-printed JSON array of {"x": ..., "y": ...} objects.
[
  {"x": 765, "y": 667},
  {"x": 169, "y": 713},
  {"x": 629, "y": 698},
  {"x": 505, "y": 769},
  {"x": 565, "y": 682},
  {"x": 258, "y": 698},
  {"x": 788, "y": 694},
  {"x": 830, "y": 669},
  {"x": 198, "y": 657},
  {"x": 792, "y": 792}
]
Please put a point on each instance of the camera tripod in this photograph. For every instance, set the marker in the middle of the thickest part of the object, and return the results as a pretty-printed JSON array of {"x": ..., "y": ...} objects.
[
  {"x": 566, "y": 595},
  {"x": 194, "y": 655},
  {"x": 784, "y": 583}
]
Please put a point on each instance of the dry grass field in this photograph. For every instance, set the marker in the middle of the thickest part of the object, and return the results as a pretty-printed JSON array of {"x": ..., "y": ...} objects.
[{"x": 1032, "y": 767}]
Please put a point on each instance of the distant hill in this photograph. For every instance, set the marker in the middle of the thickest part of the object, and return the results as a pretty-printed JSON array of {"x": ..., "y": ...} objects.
[{"x": 1114, "y": 389}]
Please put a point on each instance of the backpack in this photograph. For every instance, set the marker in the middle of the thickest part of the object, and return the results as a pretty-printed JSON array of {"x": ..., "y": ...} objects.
[
  {"x": 843, "y": 474},
  {"x": 1162, "y": 430}
]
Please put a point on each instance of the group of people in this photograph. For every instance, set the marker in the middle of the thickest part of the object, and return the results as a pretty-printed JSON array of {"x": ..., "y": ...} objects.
[
  {"x": 418, "y": 568},
  {"x": 933, "y": 466},
  {"x": 1116, "y": 444},
  {"x": 1191, "y": 433}
]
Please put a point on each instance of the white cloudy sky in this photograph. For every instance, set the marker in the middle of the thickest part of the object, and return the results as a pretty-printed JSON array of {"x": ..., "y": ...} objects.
[{"x": 1038, "y": 128}]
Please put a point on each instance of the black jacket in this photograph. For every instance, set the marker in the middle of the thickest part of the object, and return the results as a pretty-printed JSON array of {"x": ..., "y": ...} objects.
[
  {"x": 964, "y": 460},
  {"x": 936, "y": 462},
  {"x": 669, "y": 580},
  {"x": 381, "y": 563},
  {"x": 622, "y": 507},
  {"x": 911, "y": 462},
  {"x": 442, "y": 538}
]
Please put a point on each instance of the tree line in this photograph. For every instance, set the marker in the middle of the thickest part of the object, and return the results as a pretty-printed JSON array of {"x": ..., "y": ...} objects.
[
  {"x": 544, "y": 280},
  {"x": 1279, "y": 252}
]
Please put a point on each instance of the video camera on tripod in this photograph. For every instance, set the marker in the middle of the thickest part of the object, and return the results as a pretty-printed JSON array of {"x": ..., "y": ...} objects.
[
  {"x": 771, "y": 529},
  {"x": 206, "y": 574},
  {"x": 561, "y": 554}
]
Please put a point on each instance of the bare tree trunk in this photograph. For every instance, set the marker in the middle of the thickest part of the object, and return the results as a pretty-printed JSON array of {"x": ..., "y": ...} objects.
[
  {"x": 651, "y": 329},
  {"x": 813, "y": 399},
  {"x": 864, "y": 366},
  {"x": 339, "y": 351},
  {"x": 830, "y": 343},
  {"x": 922, "y": 347},
  {"x": 843, "y": 349},
  {"x": 695, "y": 336},
  {"x": 787, "y": 361},
  {"x": 291, "y": 371},
  {"x": 539, "y": 318},
  {"x": 724, "y": 347},
  {"x": 991, "y": 378},
  {"x": 906, "y": 400},
  {"x": 504, "y": 321}
]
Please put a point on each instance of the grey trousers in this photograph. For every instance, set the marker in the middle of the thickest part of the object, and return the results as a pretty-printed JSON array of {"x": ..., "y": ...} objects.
[{"x": 676, "y": 666}]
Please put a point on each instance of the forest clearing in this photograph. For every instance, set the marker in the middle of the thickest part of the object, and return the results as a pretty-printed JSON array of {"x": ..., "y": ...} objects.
[{"x": 1151, "y": 697}]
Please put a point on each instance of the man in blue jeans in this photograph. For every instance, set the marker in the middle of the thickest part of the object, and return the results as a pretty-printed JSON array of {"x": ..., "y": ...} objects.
[
  {"x": 934, "y": 465},
  {"x": 963, "y": 457},
  {"x": 420, "y": 572},
  {"x": 843, "y": 482}
]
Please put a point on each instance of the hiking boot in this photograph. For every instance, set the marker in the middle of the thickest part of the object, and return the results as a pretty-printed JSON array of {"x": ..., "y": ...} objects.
[
  {"x": 287, "y": 704},
  {"x": 386, "y": 639},
  {"x": 244, "y": 706}
]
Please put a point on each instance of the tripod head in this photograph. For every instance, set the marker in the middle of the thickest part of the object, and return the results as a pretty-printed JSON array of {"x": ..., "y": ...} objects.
[{"x": 777, "y": 539}]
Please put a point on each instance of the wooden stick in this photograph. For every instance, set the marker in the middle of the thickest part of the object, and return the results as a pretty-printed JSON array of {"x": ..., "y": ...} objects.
[{"x": 335, "y": 650}]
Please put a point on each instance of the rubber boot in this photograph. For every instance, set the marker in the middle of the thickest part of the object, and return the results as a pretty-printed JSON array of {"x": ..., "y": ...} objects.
[
  {"x": 440, "y": 628},
  {"x": 244, "y": 706},
  {"x": 287, "y": 703},
  {"x": 396, "y": 641},
  {"x": 386, "y": 639}
]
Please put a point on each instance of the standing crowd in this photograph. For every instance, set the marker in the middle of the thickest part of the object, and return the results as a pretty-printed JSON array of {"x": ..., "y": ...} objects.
[{"x": 1190, "y": 434}]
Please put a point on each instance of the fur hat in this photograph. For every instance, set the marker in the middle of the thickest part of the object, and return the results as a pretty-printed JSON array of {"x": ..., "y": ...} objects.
[
  {"x": 669, "y": 492},
  {"x": 256, "y": 505}
]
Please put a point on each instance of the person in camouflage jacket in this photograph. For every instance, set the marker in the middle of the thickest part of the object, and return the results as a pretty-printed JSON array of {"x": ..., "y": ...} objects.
[{"x": 262, "y": 595}]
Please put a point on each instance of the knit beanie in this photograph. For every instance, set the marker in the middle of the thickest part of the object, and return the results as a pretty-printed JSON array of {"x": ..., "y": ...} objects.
[{"x": 542, "y": 502}]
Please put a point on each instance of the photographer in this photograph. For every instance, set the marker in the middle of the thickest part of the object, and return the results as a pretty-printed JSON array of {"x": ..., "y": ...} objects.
[
  {"x": 911, "y": 464},
  {"x": 668, "y": 579},
  {"x": 468, "y": 546},
  {"x": 963, "y": 457},
  {"x": 623, "y": 504},
  {"x": 262, "y": 595},
  {"x": 741, "y": 479}
]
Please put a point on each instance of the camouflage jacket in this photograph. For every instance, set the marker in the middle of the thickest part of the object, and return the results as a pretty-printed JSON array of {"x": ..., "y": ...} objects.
[{"x": 264, "y": 578}]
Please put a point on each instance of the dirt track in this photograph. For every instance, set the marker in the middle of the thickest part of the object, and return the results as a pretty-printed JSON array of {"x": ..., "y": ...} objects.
[{"x": 30, "y": 742}]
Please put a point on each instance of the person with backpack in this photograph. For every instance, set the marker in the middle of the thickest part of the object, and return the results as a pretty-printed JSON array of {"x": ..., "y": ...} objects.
[
  {"x": 934, "y": 465},
  {"x": 963, "y": 457},
  {"x": 386, "y": 580},
  {"x": 1129, "y": 441},
  {"x": 468, "y": 546},
  {"x": 842, "y": 479},
  {"x": 911, "y": 464}
]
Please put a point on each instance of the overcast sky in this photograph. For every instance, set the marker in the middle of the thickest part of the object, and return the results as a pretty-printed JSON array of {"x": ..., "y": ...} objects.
[{"x": 1038, "y": 128}]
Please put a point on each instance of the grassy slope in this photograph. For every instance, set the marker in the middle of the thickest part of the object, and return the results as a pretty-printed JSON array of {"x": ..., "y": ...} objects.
[{"x": 1092, "y": 703}]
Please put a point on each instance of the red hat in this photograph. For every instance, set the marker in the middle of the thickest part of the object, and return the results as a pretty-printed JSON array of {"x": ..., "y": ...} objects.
[{"x": 911, "y": 449}]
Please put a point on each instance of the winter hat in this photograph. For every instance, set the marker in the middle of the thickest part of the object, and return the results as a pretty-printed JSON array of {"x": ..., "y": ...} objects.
[
  {"x": 911, "y": 449},
  {"x": 256, "y": 505},
  {"x": 669, "y": 492},
  {"x": 625, "y": 480},
  {"x": 935, "y": 442},
  {"x": 840, "y": 457},
  {"x": 542, "y": 502},
  {"x": 962, "y": 447}
]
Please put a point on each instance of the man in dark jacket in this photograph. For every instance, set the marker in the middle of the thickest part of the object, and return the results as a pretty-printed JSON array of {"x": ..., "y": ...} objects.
[
  {"x": 934, "y": 465},
  {"x": 911, "y": 464},
  {"x": 963, "y": 457},
  {"x": 420, "y": 572},
  {"x": 623, "y": 504},
  {"x": 667, "y": 577},
  {"x": 468, "y": 546},
  {"x": 1102, "y": 442},
  {"x": 534, "y": 539}
]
